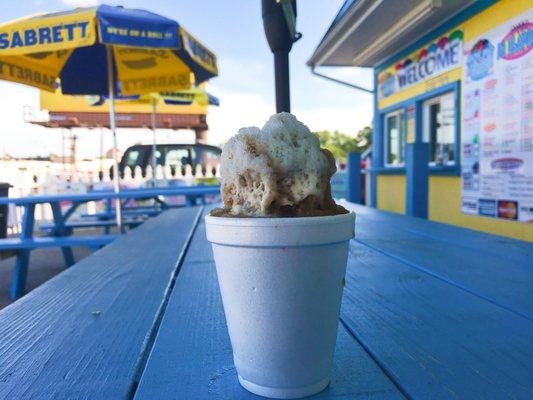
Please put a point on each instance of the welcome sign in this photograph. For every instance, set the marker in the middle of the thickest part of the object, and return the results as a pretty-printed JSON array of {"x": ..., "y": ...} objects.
[{"x": 443, "y": 55}]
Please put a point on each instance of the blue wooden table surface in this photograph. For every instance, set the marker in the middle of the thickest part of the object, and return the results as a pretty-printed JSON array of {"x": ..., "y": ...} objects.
[{"x": 429, "y": 311}]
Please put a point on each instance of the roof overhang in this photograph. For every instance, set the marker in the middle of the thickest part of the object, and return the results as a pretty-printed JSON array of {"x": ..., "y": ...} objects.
[{"x": 371, "y": 31}]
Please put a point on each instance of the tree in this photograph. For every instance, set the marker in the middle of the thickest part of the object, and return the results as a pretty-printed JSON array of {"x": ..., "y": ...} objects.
[{"x": 340, "y": 144}]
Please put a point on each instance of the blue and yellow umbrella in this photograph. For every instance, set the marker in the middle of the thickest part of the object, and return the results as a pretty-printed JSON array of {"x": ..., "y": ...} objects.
[
  {"x": 148, "y": 52},
  {"x": 103, "y": 50}
]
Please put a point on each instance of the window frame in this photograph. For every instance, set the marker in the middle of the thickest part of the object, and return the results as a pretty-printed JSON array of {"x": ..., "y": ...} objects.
[
  {"x": 379, "y": 166},
  {"x": 425, "y": 104},
  {"x": 400, "y": 115},
  {"x": 180, "y": 148}
]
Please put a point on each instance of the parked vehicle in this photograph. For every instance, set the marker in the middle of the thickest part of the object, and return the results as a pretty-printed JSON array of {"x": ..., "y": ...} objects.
[{"x": 172, "y": 156}]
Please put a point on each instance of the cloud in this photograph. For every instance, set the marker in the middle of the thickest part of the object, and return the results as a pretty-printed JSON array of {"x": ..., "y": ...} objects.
[
  {"x": 355, "y": 75},
  {"x": 237, "y": 109},
  {"x": 240, "y": 109},
  {"x": 80, "y": 3},
  {"x": 246, "y": 91},
  {"x": 345, "y": 119},
  {"x": 20, "y": 138}
]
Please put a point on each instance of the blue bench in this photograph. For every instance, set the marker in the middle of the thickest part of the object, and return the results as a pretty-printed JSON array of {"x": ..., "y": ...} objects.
[
  {"x": 143, "y": 212},
  {"x": 429, "y": 311},
  {"x": 25, "y": 242},
  {"x": 92, "y": 224},
  {"x": 91, "y": 241}
]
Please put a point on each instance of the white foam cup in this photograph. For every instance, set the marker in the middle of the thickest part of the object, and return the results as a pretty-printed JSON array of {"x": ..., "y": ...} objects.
[{"x": 281, "y": 282}]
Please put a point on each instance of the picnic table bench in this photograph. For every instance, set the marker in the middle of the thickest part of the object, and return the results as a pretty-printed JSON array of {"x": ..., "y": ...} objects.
[
  {"x": 93, "y": 223},
  {"x": 429, "y": 311},
  {"x": 59, "y": 235}
]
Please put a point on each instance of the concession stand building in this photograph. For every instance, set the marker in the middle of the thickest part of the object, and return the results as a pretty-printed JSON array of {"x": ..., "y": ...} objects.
[{"x": 453, "y": 106}]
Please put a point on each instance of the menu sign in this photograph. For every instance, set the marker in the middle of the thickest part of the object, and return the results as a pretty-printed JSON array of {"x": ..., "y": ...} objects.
[{"x": 497, "y": 122}]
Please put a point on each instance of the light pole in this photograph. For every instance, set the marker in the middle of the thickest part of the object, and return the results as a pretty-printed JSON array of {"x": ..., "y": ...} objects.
[{"x": 279, "y": 22}]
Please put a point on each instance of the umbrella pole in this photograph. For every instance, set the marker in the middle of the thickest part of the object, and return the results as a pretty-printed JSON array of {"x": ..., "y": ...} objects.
[
  {"x": 101, "y": 173},
  {"x": 154, "y": 143},
  {"x": 63, "y": 149},
  {"x": 113, "y": 127}
]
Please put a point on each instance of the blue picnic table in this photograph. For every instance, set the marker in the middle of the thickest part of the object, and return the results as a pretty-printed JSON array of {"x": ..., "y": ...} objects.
[
  {"x": 59, "y": 233},
  {"x": 429, "y": 311}
]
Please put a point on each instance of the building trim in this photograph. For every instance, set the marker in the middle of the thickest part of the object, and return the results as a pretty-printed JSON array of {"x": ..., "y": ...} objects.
[{"x": 379, "y": 133}]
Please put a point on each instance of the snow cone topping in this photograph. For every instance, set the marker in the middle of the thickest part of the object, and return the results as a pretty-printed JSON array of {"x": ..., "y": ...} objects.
[{"x": 279, "y": 170}]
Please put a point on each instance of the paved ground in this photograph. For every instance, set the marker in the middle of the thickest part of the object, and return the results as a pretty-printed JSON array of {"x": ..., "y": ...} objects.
[{"x": 44, "y": 264}]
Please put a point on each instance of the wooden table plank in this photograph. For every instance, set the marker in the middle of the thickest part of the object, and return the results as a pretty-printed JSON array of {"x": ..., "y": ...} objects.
[
  {"x": 82, "y": 334},
  {"x": 508, "y": 248},
  {"x": 192, "y": 354},
  {"x": 435, "y": 340},
  {"x": 491, "y": 268}
]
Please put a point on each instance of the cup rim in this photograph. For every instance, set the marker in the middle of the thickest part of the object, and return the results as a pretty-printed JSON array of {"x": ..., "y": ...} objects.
[{"x": 275, "y": 221}]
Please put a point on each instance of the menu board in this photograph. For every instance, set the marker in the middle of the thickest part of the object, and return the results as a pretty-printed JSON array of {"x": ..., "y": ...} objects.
[{"x": 497, "y": 122}]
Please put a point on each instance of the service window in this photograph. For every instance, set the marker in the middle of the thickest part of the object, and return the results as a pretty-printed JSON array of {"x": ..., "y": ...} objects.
[
  {"x": 159, "y": 157},
  {"x": 132, "y": 158},
  {"x": 439, "y": 128},
  {"x": 205, "y": 156},
  {"x": 177, "y": 156},
  {"x": 394, "y": 139}
]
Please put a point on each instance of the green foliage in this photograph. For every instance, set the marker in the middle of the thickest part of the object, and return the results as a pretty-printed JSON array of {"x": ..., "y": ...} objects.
[{"x": 340, "y": 144}]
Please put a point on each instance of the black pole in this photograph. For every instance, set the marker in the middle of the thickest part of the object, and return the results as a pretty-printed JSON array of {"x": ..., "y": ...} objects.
[
  {"x": 283, "y": 92},
  {"x": 280, "y": 41}
]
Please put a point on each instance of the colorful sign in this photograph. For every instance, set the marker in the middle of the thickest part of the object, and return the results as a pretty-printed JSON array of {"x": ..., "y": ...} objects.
[
  {"x": 497, "y": 122},
  {"x": 438, "y": 57},
  {"x": 479, "y": 61},
  {"x": 517, "y": 43}
]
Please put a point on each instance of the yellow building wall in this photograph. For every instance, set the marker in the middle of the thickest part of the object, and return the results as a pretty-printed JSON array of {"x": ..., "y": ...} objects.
[
  {"x": 391, "y": 193},
  {"x": 445, "y": 206},
  {"x": 444, "y": 203}
]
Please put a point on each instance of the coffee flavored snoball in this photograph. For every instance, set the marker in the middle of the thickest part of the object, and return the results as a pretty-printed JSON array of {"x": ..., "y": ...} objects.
[{"x": 279, "y": 170}]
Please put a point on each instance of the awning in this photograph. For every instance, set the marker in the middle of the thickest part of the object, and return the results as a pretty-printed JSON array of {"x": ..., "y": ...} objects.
[{"x": 367, "y": 32}]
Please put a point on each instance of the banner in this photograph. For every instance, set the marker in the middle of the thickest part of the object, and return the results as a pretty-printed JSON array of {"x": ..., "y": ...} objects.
[
  {"x": 438, "y": 57},
  {"x": 48, "y": 32},
  {"x": 497, "y": 122},
  {"x": 143, "y": 71}
]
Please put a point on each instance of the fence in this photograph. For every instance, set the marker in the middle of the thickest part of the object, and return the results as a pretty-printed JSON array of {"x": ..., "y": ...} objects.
[
  {"x": 35, "y": 177},
  {"x": 31, "y": 177}
]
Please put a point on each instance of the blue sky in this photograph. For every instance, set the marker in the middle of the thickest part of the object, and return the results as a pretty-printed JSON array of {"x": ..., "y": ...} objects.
[{"x": 233, "y": 30}]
